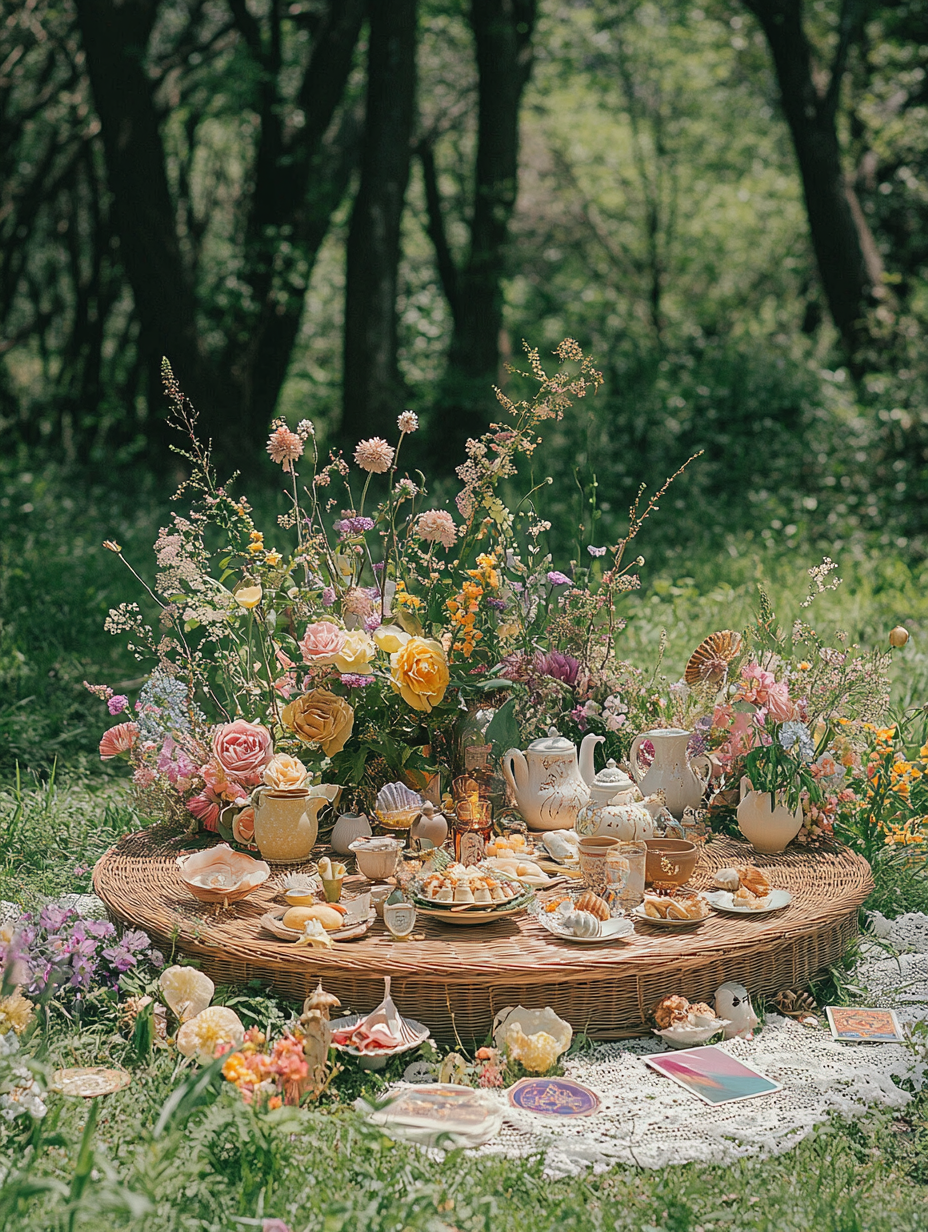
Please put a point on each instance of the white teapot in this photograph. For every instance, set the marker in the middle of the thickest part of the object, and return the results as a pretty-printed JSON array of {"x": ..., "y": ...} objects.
[
  {"x": 615, "y": 809},
  {"x": 550, "y": 786}
]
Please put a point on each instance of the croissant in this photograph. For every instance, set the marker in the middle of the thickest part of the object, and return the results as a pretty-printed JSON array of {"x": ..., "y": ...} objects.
[
  {"x": 588, "y": 901},
  {"x": 754, "y": 880}
]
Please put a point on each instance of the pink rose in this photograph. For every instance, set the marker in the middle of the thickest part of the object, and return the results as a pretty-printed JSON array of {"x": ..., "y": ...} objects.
[
  {"x": 243, "y": 750},
  {"x": 322, "y": 643},
  {"x": 779, "y": 706},
  {"x": 243, "y": 826}
]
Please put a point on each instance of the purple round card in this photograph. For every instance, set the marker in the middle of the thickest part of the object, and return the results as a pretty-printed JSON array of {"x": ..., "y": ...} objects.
[{"x": 558, "y": 1097}]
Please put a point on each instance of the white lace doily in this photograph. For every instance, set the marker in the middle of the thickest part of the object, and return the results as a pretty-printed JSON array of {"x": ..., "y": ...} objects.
[{"x": 649, "y": 1121}]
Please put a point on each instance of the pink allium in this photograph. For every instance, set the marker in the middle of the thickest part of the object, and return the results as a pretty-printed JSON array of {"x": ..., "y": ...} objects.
[
  {"x": 118, "y": 739},
  {"x": 408, "y": 421},
  {"x": 284, "y": 446},
  {"x": 374, "y": 455},
  {"x": 322, "y": 643},
  {"x": 243, "y": 750},
  {"x": 358, "y": 602},
  {"x": 117, "y": 704},
  {"x": 437, "y": 526},
  {"x": 204, "y": 809}
]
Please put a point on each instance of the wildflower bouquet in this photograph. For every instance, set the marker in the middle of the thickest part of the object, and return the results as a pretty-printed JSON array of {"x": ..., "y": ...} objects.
[
  {"x": 889, "y": 804},
  {"x": 349, "y": 640}
]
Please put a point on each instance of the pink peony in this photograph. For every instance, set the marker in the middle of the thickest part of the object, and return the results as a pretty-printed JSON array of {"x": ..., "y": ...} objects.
[
  {"x": 243, "y": 749},
  {"x": 118, "y": 739},
  {"x": 205, "y": 810},
  {"x": 322, "y": 643},
  {"x": 437, "y": 526}
]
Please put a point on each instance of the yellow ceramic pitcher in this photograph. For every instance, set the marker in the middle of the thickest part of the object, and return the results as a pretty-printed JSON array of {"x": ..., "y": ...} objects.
[{"x": 287, "y": 822}]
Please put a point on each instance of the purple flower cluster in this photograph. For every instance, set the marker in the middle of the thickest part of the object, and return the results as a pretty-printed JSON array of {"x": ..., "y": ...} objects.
[
  {"x": 353, "y": 526},
  {"x": 60, "y": 948},
  {"x": 556, "y": 578},
  {"x": 117, "y": 703},
  {"x": 498, "y": 605},
  {"x": 354, "y": 681},
  {"x": 562, "y": 667}
]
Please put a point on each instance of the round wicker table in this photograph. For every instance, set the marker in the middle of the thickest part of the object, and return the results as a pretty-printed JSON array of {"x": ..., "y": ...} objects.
[{"x": 456, "y": 978}]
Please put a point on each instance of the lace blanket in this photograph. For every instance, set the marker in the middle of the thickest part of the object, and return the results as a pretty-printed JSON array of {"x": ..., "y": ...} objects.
[{"x": 649, "y": 1121}]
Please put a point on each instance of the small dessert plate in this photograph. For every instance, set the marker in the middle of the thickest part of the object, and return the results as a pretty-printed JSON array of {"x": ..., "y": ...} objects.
[
  {"x": 620, "y": 929},
  {"x": 554, "y": 1097},
  {"x": 723, "y": 900}
]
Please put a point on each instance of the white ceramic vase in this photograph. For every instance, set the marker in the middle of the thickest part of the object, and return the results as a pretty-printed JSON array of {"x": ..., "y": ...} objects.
[
  {"x": 349, "y": 827},
  {"x": 767, "y": 828}
]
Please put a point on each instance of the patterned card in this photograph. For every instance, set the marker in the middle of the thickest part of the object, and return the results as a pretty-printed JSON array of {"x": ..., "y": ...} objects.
[
  {"x": 852, "y": 1025},
  {"x": 712, "y": 1075}
]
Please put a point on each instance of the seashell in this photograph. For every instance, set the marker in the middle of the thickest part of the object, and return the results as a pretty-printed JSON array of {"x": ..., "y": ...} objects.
[
  {"x": 588, "y": 901},
  {"x": 754, "y": 880},
  {"x": 397, "y": 798},
  {"x": 221, "y": 875},
  {"x": 187, "y": 991},
  {"x": 727, "y": 879},
  {"x": 708, "y": 664},
  {"x": 581, "y": 924},
  {"x": 665, "y": 1010},
  {"x": 794, "y": 1004},
  {"x": 536, "y": 1038},
  {"x": 300, "y": 883}
]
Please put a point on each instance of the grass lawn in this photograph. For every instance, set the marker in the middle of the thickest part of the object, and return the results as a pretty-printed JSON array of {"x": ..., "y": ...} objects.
[{"x": 169, "y": 1153}]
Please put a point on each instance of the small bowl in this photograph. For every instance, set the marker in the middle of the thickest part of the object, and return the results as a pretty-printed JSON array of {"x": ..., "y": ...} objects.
[
  {"x": 300, "y": 898},
  {"x": 221, "y": 875},
  {"x": 376, "y": 857},
  {"x": 670, "y": 861}
]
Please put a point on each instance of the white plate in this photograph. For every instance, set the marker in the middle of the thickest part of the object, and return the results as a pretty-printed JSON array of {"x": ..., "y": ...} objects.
[
  {"x": 640, "y": 914},
  {"x": 722, "y": 900},
  {"x": 620, "y": 929}
]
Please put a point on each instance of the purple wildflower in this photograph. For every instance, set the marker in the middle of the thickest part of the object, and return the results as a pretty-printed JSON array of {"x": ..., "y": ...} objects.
[
  {"x": 579, "y": 716},
  {"x": 595, "y": 551},
  {"x": 498, "y": 605},
  {"x": 353, "y": 526},
  {"x": 52, "y": 919},
  {"x": 120, "y": 957},
  {"x": 564, "y": 668},
  {"x": 354, "y": 681},
  {"x": 378, "y": 566},
  {"x": 117, "y": 703},
  {"x": 328, "y": 597},
  {"x": 557, "y": 578}
]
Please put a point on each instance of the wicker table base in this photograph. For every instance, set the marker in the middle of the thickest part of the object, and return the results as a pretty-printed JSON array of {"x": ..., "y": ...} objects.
[{"x": 455, "y": 979}]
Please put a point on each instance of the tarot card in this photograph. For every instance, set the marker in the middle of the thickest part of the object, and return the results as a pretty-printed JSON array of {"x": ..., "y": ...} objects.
[
  {"x": 712, "y": 1075},
  {"x": 853, "y": 1025}
]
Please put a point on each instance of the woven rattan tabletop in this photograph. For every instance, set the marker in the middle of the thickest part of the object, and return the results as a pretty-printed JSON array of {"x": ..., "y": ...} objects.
[{"x": 139, "y": 882}]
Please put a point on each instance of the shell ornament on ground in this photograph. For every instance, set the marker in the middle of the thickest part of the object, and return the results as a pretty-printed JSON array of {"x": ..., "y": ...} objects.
[
  {"x": 221, "y": 875},
  {"x": 536, "y": 1038},
  {"x": 709, "y": 662},
  {"x": 794, "y": 1004},
  {"x": 187, "y": 991}
]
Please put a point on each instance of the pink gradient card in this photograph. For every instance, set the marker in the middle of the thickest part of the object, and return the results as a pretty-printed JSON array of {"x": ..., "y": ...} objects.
[{"x": 712, "y": 1075}]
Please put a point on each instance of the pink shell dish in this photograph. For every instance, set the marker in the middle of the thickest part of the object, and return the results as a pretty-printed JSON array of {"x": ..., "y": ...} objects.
[{"x": 221, "y": 875}]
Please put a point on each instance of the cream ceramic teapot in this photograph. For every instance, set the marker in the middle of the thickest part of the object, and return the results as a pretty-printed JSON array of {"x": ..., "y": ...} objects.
[
  {"x": 287, "y": 821},
  {"x": 615, "y": 809},
  {"x": 549, "y": 783}
]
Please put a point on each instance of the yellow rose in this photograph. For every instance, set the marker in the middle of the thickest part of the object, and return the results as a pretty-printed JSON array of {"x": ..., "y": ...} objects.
[
  {"x": 356, "y": 654},
  {"x": 284, "y": 772},
  {"x": 248, "y": 596},
  {"x": 391, "y": 638},
  {"x": 419, "y": 673},
  {"x": 321, "y": 717}
]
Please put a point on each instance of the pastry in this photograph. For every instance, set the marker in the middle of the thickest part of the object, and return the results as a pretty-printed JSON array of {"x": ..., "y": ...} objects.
[
  {"x": 588, "y": 901},
  {"x": 665, "y": 1010},
  {"x": 754, "y": 880}
]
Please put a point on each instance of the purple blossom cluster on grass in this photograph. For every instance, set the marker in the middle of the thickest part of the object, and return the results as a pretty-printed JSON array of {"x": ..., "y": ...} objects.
[{"x": 60, "y": 948}]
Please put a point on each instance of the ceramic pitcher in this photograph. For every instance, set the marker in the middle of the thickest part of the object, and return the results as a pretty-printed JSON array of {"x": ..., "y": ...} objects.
[
  {"x": 671, "y": 771},
  {"x": 287, "y": 822},
  {"x": 767, "y": 827}
]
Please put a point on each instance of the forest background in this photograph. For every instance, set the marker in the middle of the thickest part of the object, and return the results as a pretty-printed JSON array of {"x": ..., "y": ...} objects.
[{"x": 337, "y": 209}]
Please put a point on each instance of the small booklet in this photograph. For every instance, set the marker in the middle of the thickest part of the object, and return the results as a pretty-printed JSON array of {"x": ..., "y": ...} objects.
[
  {"x": 852, "y": 1025},
  {"x": 712, "y": 1075}
]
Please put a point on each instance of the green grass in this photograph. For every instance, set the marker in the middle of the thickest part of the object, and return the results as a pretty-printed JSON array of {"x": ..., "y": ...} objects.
[{"x": 215, "y": 1165}]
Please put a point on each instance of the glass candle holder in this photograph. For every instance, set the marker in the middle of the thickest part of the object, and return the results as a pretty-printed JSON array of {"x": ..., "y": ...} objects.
[{"x": 473, "y": 826}]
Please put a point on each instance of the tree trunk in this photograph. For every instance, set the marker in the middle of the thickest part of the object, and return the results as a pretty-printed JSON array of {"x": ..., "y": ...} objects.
[
  {"x": 502, "y": 32},
  {"x": 848, "y": 262},
  {"x": 372, "y": 387}
]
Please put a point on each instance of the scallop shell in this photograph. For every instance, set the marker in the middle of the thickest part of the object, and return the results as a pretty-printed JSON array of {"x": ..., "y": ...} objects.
[
  {"x": 709, "y": 661},
  {"x": 397, "y": 803},
  {"x": 221, "y": 875}
]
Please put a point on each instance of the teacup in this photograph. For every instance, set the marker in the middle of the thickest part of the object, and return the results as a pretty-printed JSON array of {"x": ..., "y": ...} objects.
[{"x": 593, "y": 861}]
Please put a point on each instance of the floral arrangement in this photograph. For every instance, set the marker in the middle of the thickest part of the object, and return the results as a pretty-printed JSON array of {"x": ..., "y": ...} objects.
[
  {"x": 890, "y": 790},
  {"x": 352, "y": 649}
]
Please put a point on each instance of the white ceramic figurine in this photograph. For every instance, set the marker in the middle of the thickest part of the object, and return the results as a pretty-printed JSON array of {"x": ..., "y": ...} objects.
[{"x": 732, "y": 1001}]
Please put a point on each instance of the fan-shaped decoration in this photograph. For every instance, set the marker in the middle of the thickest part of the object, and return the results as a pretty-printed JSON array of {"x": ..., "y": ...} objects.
[
  {"x": 709, "y": 661},
  {"x": 397, "y": 806},
  {"x": 794, "y": 1003}
]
